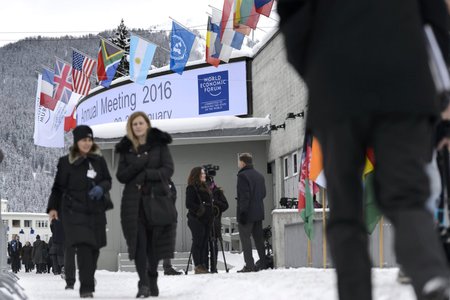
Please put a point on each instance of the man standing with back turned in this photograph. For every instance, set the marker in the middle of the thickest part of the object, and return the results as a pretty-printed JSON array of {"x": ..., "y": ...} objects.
[
  {"x": 366, "y": 67},
  {"x": 251, "y": 191}
]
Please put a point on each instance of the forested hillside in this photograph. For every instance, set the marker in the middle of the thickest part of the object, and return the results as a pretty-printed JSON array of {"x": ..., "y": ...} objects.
[{"x": 27, "y": 173}]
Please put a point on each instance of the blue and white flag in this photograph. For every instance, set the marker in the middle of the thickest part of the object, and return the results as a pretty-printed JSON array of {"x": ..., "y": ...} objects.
[
  {"x": 141, "y": 57},
  {"x": 181, "y": 42}
]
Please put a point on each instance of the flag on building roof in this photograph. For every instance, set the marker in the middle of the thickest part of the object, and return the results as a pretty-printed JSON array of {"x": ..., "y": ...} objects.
[
  {"x": 228, "y": 35},
  {"x": 317, "y": 175},
  {"x": 46, "y": 90},
  {"x": 109, "y": 57},
  {"x": 264, "y": 7},
  {"x": 82, "y": 67},
  {"x": 48, "y": 129},
  {"x": 210, "y": 38},
  {"x": 245, "y": 17},
  {"x": 306, "y": 188},
  {"x": 62, "y": 81},
  {"x": 372, "y": 214},
  {"x": 219, "y": 50},
  {"x": 141, "y": 57},
  {"x": 181, "y": 45}
]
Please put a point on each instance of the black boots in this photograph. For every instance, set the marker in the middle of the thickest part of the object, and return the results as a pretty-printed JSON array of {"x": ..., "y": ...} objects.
[{"x": 154, "y": 291}]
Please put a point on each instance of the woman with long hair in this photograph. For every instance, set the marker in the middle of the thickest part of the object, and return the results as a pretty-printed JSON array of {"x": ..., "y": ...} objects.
[
  {"x": 79, "y": 198},
  {"x": 200, "y": 213},
  {"x": 148, "y": 214}
]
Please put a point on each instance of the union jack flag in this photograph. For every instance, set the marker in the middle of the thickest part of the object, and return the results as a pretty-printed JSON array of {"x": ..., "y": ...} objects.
[
  {"x": 82, "y": 67},
  {"x": 62, "y": 82}
]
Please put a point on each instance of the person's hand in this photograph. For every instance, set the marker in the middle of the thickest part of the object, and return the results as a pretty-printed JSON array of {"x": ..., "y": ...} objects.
[
  {"x": 96, "y": 193},
  {"x": 53, "y": 214},
  {"x": 445, "y": 142},
  {"x": 243, "y": 218}
]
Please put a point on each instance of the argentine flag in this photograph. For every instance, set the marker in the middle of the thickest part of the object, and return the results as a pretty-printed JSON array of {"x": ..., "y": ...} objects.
[{"x": 141, "y": 57}]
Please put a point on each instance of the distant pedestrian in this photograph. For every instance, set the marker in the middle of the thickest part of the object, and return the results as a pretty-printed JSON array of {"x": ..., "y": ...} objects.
[
  {"x": 57, "y": 246},
  {"x": 38, "y": 253},
  {"x": 14, "y": 252},
  {"x": 251, "y": 191},
  {"x": 79, "y": 198},
  {"x": 27, "y": 259},
  {"x": 1, "y": 155}
]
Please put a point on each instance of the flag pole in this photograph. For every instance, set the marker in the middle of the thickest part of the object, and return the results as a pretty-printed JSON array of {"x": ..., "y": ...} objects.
[
  {"x": 324, "y": 229},
  {"x": 381, "y": 237},
  {"x": 309, "y": 253}
]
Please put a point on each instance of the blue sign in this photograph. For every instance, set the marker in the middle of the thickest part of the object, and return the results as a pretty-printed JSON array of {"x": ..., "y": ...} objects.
[{"x": 213, "y": 94}]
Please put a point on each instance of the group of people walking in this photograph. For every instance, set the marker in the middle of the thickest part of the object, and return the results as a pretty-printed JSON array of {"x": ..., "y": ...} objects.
[{"x": 80, "y": 197}]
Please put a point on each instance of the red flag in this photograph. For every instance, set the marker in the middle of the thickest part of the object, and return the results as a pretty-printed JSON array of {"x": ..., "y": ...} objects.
[
  {"x": 70, "y": 122},
  {"x": 266, "y": 9},
  {"x": 82, "y": 67}
]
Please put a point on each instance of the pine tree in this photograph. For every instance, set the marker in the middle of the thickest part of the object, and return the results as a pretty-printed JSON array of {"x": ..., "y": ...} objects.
[{"x": 122, "y": 40}]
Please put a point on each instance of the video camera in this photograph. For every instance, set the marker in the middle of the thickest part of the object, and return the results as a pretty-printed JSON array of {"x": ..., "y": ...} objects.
[{"x": 210, "y": 170}]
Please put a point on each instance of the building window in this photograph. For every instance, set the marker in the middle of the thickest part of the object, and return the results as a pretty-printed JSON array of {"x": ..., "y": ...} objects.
[
  {"x": 15, "y": 223},
  {"x": 41, "y": 224},
  {"x": 27, "y": 223},
  {"x": 295, "y": 165},
  {"x": 5, "y": 222},
  {"x": 286, "y": 167}
]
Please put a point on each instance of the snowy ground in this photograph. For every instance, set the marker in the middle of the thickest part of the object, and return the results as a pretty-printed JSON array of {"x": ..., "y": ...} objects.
[{"x": 302, "y": 283}]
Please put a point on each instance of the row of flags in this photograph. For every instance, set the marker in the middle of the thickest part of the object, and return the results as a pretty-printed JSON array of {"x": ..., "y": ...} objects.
[
  {"x": 61, "y": 89},
  {"x": 312, "y": 178}
]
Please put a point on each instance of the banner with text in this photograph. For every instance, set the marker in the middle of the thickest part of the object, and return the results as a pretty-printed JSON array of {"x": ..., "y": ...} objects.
[{"x": 200, "y": 92}]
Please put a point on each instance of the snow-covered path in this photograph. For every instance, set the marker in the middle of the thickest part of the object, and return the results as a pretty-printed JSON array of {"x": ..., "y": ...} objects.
[{"x": 302, "y": 283}]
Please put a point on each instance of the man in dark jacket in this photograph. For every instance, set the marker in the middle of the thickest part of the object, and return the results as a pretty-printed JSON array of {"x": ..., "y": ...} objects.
[
  {"x": 14, "y": 251},
  {"x": 251, "y": 191},
  {"x": 366, "y": 67},
  {"x": 1, "y": 155}
]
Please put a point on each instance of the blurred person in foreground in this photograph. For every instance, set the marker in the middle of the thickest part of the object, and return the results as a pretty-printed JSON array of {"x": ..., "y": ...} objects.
[
  {"x": 366, "y": 67},
  {"x": 80, "y": 198}
]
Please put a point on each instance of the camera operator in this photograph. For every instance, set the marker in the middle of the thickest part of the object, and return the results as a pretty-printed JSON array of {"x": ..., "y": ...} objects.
[
  {"x": 200, "y": 214},
  {"x": 220, "y": 204}
]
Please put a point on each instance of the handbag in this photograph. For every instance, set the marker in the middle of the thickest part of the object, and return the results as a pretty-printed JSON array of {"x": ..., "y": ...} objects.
[{"x": 160, "y": 210}]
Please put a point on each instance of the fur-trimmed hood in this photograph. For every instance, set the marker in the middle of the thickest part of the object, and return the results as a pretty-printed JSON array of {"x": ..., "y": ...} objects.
[
  {"x": 154, "y": 137},
  {"x": 76, "y": 158}
]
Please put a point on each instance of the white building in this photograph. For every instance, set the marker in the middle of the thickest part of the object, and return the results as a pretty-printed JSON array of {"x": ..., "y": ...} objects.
[{"x": 26, "y": 225}]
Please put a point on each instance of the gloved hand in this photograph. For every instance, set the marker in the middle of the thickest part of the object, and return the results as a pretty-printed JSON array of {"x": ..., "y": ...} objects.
[
  {"x": 96, "y": 193},
  {"x": 243, "y": 216}
]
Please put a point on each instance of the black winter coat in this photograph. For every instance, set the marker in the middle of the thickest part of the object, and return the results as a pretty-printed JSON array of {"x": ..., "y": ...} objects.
[
  {"x": 26, "y": 254},
  {"x": 84, "y": 219},
  {"x": 359, "y": 57},
  {"x": 14, "y": 251},
  {"x": 220, "y": 204},
  {"x": 143, "y": 171},
  {"x": 251, "y": 191},
  {"x": 39, "y": 252},
  {"x": 199, "y": 204}
]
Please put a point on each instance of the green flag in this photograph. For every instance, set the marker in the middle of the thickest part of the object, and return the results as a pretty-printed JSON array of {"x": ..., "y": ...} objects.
[
  {"x": 372, "y": 214},
  {"x": 307, "y": 213}
]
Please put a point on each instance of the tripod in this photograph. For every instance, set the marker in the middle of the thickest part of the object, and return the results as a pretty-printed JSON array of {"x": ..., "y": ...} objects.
[{"x": 212, "y": 242}]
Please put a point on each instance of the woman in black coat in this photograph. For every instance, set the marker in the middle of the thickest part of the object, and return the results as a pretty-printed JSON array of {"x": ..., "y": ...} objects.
[
  {"x": 80, "y": 198},
  {"x": 200, "y": 217},
  {"x": 27, "y": 260},
  {"x": 148, "y": 214}
]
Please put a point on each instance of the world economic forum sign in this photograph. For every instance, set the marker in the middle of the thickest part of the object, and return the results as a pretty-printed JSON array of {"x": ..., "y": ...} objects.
[{"x": 204, "y": 91}]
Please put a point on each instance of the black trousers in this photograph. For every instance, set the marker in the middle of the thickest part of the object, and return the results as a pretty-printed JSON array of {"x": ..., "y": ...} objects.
[
  {"x": 69, "y": 265},
  {"x": 402, "y": 146},
  {"x": 145, "y": 261},
  {"x": 87, "y": 257},
  {"x": 200, "y": 236},
  {"x": 255, "y": 230}
]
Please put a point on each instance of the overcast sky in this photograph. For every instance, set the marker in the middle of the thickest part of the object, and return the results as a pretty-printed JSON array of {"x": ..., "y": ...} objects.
[{"x": 26, "y": 18}]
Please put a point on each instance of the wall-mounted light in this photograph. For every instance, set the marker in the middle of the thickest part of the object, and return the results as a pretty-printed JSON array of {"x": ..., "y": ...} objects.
[
  {"x": 292, "y": 115},
  {"x": 275, "y": 127}
]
